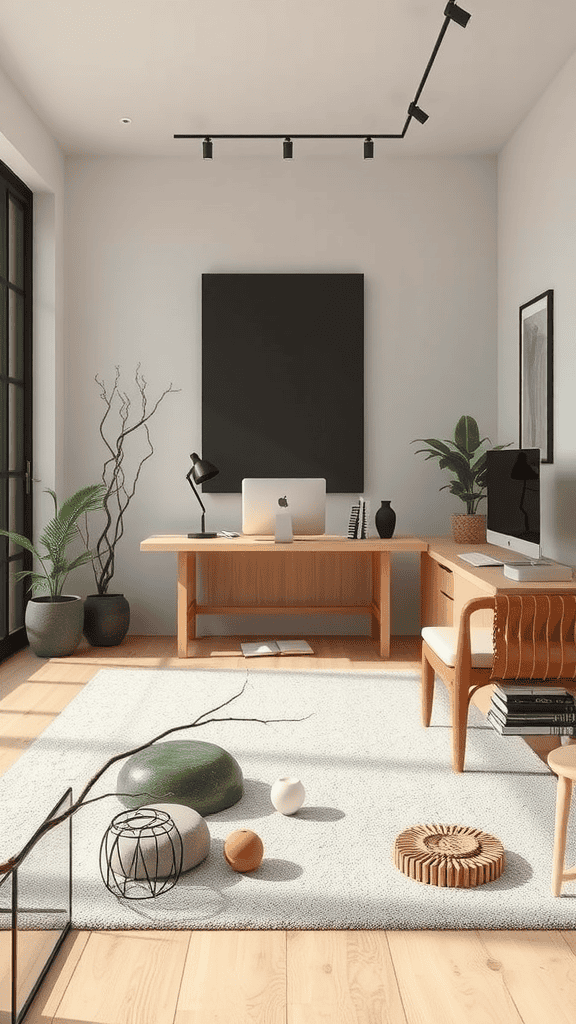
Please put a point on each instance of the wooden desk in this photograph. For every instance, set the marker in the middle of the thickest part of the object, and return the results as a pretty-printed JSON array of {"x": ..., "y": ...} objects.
[
  {"x": 313, "y": 575},
  {"x": 447, "y": 583}
]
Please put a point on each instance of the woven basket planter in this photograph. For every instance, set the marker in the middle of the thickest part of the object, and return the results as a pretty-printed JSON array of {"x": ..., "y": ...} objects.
[{"x": 469, "y": 529}]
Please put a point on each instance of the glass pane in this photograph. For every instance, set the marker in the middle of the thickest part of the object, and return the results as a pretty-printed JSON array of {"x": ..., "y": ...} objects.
[
  {"x": 3, "y": 603},
  {"x": 6, "y": 947},
  {"x": 15, "y": 335},
  {"x": 15, "y": 427},
  {"x": 15, "y": 243},
  {"x": 15, "y": 596},
  {"x": 3, "y": 329},
  {"x": 3, "y": 247},
  {"x": 3, "y": 513},
  {"x": 43, "y": 904},
  {"x": 15, "y": 510},
  {"x": 3, "y": 421}
]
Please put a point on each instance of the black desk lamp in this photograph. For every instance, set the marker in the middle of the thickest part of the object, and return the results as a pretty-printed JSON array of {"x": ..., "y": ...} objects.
[{"x": 201, "y": 470}]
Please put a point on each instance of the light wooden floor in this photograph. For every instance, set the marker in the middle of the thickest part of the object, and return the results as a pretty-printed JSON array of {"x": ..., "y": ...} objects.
[{"x": 278, "y": 977}]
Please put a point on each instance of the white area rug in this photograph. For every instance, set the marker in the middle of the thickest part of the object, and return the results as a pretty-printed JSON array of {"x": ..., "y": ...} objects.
[{"x": 370, "y": 771}]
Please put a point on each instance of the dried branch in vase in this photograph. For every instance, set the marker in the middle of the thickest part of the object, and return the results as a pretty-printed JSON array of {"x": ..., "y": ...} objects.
[{"x": 120, "y": 484}]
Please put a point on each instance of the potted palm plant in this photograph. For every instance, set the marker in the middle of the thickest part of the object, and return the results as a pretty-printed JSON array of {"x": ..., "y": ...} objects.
[
  {"x": 54, "y": 621},
  {"x": 465, "y": 457}
]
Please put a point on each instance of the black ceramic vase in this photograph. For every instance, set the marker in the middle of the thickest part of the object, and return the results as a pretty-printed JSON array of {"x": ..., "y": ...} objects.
[
  {"x": 385, "y": 519},
  {"x": 106, "y": 619}
]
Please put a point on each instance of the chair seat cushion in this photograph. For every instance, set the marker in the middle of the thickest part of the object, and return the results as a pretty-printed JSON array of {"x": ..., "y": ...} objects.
[{"x": 444, "y": 640}]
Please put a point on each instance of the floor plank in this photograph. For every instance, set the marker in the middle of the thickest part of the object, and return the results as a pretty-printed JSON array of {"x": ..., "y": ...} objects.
[
  {"x": 445, "y": 977},
  {"x": 539, "y": 971},
  {"x": 125, "y": 978},
  {"x": 235, "y": 978},
  {"x": 341, "y": 977},
  {"x": 52, "y": 990}
]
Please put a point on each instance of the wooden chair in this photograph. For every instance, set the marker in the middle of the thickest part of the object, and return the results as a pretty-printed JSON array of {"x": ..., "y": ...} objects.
[{"x": 532, "y": 641}]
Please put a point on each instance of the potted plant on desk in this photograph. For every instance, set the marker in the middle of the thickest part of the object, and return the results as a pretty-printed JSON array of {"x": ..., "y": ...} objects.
[
  {"x": 106, "y": 615},
  {"x": 465, "y": 458},
  {"x": 54, "y": 622}
]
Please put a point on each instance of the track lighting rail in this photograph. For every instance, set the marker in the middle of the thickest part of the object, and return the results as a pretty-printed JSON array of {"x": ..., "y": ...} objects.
[{"x": 452, "y": 12}]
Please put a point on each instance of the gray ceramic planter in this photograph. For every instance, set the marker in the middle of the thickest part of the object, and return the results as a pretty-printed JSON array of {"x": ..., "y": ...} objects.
[{"x": 54, "y": 628}]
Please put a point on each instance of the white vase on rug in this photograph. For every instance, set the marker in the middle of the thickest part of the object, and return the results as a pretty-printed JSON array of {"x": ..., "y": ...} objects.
[{"x": 287, "y": 795}]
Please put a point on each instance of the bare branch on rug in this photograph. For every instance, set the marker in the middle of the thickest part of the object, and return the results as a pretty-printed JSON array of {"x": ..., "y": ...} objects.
[{"x": 13, "y": 862}]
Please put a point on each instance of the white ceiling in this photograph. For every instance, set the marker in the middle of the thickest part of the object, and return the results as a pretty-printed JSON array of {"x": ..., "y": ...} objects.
[{"x": 280, "y": 66}]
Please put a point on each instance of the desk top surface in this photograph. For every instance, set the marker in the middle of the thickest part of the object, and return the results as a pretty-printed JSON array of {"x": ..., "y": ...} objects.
[
  {"x": 325, "y": 542},
  {"x": 489, "y": 578}
]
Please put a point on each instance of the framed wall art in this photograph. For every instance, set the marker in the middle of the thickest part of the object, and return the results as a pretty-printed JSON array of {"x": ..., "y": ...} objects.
[{"x": 536, "y": 375}]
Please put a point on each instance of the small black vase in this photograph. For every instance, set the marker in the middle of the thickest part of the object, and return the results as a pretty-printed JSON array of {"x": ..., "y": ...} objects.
[
  {"x": 385, "y": 519},
  {"x": 106, "y": 619}
]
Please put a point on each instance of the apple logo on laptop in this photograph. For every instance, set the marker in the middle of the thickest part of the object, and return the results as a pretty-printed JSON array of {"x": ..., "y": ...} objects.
[{"x": 283, "y": 502}]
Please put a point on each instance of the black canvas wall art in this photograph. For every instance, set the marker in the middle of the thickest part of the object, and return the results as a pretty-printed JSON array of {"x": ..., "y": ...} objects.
[{"x": 283, "y": 378}]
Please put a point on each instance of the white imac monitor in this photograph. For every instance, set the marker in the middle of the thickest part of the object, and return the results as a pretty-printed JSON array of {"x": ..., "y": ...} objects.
[
  {"x": 513, "y": 493},
  {"x": 263, "y": 497}
]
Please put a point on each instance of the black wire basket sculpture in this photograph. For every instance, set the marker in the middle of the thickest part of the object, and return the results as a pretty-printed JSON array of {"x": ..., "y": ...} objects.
[{"x": 141, "y": 854}]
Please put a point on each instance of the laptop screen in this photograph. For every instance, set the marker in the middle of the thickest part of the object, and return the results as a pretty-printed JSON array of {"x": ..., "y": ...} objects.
[{"x": 264, "y": 497}]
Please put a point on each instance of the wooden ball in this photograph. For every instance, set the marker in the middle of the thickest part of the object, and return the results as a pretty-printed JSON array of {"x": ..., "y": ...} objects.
[{"x": 243, "y": 850}]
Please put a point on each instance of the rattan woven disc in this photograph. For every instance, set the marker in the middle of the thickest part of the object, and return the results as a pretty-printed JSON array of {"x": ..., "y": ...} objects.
[{"x": 449, "y": 855}]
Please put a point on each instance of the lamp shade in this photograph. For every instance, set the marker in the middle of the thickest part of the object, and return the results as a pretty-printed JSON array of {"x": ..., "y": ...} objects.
[{"x": 202, "y": 469}]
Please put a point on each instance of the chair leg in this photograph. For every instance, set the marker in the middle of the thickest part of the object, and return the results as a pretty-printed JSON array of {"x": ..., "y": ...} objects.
[
  {"x": 460, "y": 701},
  {"x": 563, "y": 798},
  {"x": 427, "y": 690}
]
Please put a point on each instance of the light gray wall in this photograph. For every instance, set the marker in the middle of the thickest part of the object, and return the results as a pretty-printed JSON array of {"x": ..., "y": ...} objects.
[
  {"x": 139, "y": 234},
  {"x": 537, "y": 251}
]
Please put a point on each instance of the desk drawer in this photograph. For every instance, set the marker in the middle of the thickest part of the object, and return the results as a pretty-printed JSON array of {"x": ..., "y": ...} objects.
[
  {"x": 437, "y": 593},
  {"x": 444, "y": 610},
  {"x": 445, "y": 579}
]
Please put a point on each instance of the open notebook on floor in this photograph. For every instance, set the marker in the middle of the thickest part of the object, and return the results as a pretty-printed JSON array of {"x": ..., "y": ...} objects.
[{"x": 261, "y": 648}]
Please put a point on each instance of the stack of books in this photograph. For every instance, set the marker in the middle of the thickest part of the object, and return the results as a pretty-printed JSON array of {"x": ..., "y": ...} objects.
[
  {"x": 358, "y": 523},
  {"x": 532, "y": 711}
]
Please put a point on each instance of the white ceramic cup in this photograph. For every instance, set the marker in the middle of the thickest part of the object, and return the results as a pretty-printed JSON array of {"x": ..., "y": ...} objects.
[{"x": 287, "y": 794}]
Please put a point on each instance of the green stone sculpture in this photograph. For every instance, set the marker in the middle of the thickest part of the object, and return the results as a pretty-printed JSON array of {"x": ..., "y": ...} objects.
[{"x": 200, "y": 775}]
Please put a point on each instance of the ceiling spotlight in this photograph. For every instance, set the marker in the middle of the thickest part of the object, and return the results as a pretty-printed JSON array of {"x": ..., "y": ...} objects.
[
  {"x": 416, "y": 112},
  {"x": 125, "y": 120},
  {"x": 368, "y": 148},
  {"x": 456, "y": 14},
  {"x": 287, "y": 148},
  {"x": 207, "y": 148}
]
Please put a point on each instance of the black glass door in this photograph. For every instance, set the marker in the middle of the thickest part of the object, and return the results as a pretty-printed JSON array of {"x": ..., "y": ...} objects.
[{"x": 15, "y": 401}]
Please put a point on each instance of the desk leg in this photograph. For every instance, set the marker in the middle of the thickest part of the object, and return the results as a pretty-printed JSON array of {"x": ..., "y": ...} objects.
[
  {"x": 381, "y": 590},
  {"x": 186, "y": 601}
]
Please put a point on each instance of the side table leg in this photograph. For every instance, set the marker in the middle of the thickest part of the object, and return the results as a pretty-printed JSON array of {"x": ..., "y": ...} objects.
[
  {"x": 563, "y": 799},
  {"x": 186, "y": 613}
]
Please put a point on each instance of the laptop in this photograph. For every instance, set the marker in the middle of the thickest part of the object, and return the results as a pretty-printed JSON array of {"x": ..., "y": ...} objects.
[{"x": 304, "y": 498}]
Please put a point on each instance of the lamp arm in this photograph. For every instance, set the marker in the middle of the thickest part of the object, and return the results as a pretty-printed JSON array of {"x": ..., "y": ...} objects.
[{"x": 189, "y": 479}]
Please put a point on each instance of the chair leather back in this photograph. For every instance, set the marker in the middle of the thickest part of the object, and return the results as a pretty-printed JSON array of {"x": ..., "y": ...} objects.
[{"x": 534, "y": 636}]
